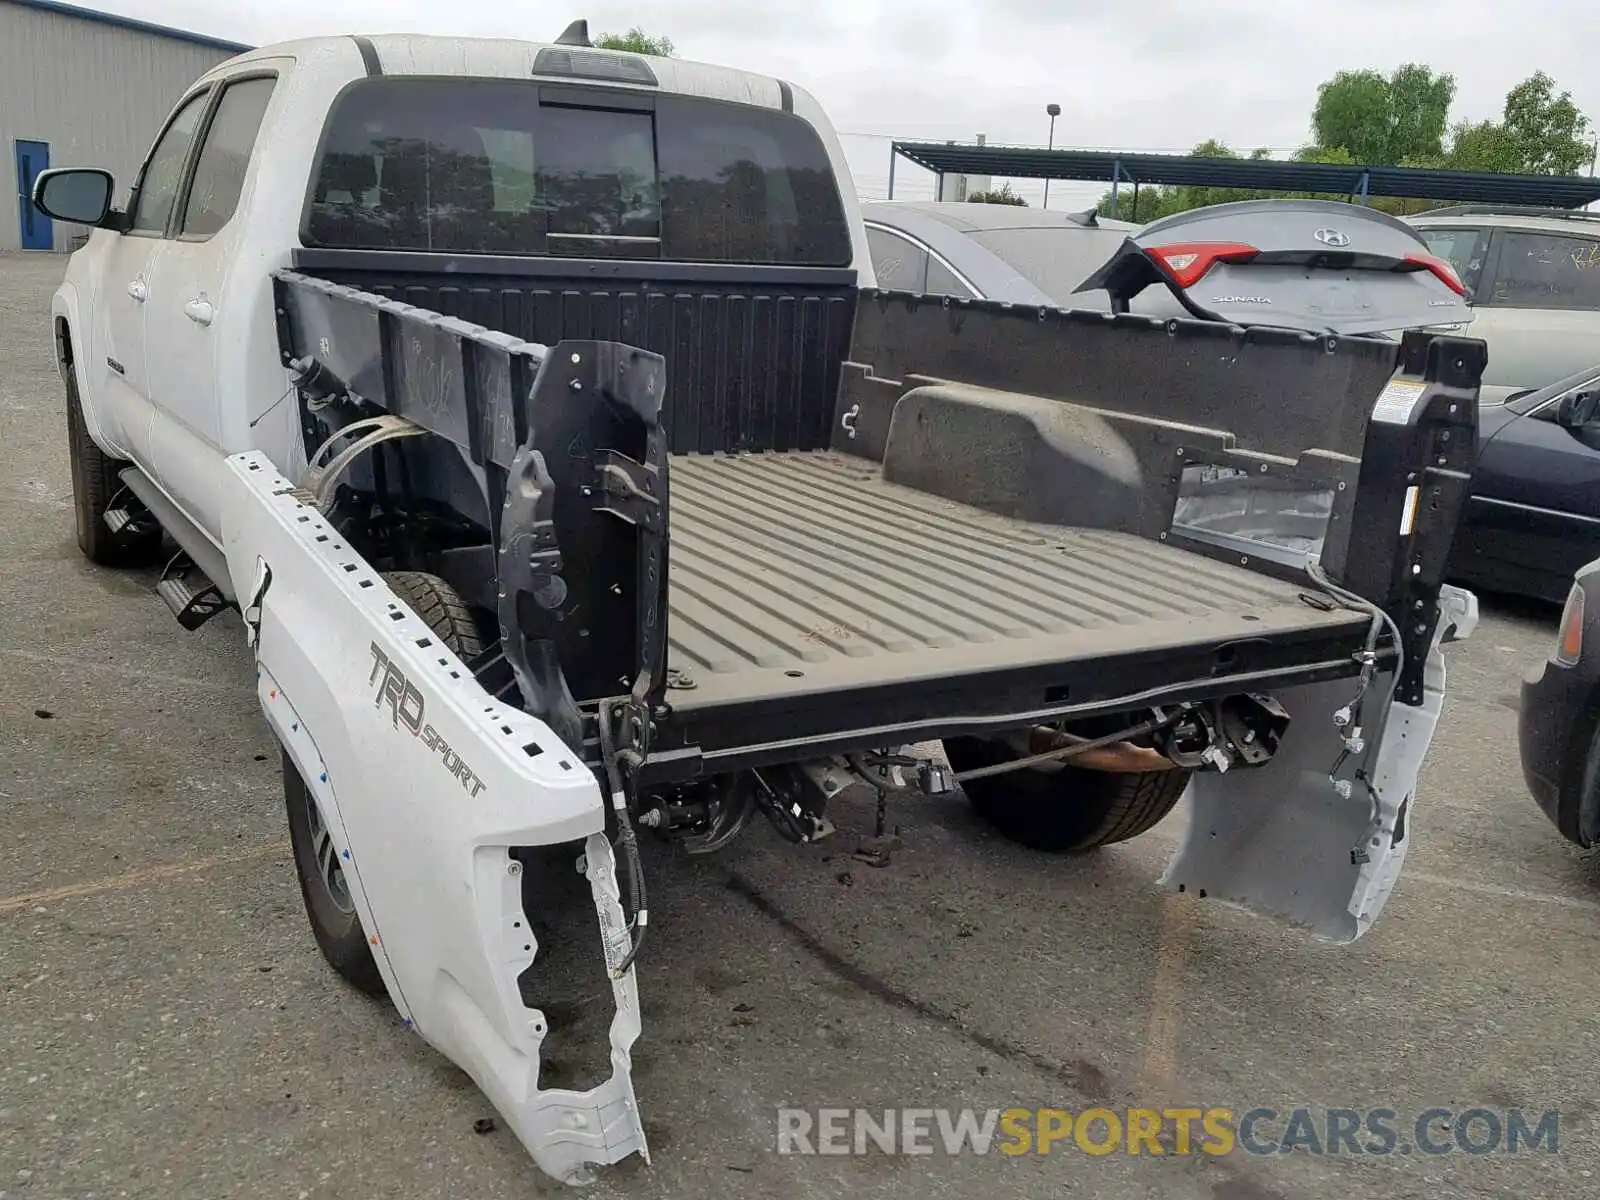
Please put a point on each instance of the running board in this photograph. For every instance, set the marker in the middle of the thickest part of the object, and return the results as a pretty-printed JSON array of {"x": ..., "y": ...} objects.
[
  {"x": 125, "y": 511},
  {"x": 189, "y": 592},
  {"x": 202, "y": 551}
]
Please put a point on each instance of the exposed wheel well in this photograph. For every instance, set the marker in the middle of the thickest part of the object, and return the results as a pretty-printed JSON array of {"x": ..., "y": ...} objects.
[{"x": 63, "y": 343}]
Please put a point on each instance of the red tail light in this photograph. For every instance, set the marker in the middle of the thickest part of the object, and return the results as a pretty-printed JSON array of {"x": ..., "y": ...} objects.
[
  {"x": 1188, "y": 262},
  {"x": 1441, "y": 268}
]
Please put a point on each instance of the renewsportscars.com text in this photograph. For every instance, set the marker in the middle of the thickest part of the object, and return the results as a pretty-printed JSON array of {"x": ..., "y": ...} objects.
[{"x": 1166, "y": 1131}]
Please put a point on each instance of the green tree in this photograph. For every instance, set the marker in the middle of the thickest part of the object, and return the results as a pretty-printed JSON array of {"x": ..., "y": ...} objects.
[
  {"x": 1000, "y": 195},
  {"x": 637, "y": 41},
  {"x": 1364, "y": 117},
  {"x": 1483, "y": 146},
  {"x": 1539, "y": 133},
  {"x": 1379, "y": 119},
  {"x": 1548, "y": 129},
  {"x": 1152, "y": 203}
]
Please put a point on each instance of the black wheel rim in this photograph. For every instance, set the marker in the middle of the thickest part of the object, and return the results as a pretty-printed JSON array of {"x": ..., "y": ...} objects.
[{"x": 330, "y": 872}]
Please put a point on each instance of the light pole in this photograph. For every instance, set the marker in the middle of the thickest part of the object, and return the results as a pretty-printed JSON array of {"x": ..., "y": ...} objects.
[{"x": 1052, "y": 111}]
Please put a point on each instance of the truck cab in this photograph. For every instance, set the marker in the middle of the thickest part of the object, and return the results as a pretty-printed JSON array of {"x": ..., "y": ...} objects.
[{"x": 318, "y": 151}]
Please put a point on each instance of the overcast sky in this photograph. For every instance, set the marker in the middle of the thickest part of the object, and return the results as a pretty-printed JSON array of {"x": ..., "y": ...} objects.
[{"x": 1155, "y": 75}]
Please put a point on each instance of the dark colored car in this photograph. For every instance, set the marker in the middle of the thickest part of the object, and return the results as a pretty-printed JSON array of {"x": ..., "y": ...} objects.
[
  {"x": 1534, "y": 516},
  {"x": 1559, "y": 727}
]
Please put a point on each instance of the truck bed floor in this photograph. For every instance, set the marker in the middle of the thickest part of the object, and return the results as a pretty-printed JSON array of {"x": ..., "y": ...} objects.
[{"x": 800, "y": 573}]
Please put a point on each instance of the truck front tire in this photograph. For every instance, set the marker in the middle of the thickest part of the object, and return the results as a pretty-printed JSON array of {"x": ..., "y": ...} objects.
[
  {"x": 94, "y": 484},
  {"x": 1064, "y": 810},
  {"x": 329, "y": 907}
]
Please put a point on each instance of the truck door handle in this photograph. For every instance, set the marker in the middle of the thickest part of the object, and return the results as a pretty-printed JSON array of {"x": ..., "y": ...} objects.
[
  {"x": 138, "y": 290},
  {"x": 199, "y": 311}
]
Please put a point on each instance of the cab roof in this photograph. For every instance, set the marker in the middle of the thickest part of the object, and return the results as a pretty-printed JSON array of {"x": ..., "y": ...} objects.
[{"x": 509, "y": 58}]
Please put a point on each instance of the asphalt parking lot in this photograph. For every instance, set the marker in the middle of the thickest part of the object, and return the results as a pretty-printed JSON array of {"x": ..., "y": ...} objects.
[{"x": 167, "y": 1027}]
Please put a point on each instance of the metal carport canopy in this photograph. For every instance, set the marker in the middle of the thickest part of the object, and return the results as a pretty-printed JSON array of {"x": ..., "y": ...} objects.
[{"x": 1479, "y": 187}]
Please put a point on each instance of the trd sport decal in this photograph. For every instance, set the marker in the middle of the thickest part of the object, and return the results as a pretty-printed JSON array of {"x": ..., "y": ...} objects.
[{"x": 406, "y": 708}]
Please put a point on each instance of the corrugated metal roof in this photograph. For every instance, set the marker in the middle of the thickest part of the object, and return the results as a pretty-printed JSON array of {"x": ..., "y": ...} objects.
[
  {"x": 1545, "y": 191},
  {"x": 121, "y": 22}
]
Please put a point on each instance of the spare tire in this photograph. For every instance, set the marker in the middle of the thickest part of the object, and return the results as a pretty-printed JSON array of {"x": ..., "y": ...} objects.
[{"x": 1067, "y": 808}]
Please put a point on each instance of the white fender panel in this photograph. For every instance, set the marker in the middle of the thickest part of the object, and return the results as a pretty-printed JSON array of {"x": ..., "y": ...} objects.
[{"x": 430, "y": 782}]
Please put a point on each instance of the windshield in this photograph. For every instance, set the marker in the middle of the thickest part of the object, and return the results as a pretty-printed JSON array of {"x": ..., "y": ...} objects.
[{"x": 489, "y": 166}]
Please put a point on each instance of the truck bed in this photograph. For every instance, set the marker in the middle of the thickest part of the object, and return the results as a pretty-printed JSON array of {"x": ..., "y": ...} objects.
[{"x": 800, "y": 573}]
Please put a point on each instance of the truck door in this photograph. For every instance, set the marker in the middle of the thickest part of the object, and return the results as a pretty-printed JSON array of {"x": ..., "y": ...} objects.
[
  {"x": 119, "y": 359},
  {"x": 202, "y": 328}
]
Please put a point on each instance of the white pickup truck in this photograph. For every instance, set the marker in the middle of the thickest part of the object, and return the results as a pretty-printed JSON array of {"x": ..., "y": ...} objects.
[{"x": 402, "y": 341}]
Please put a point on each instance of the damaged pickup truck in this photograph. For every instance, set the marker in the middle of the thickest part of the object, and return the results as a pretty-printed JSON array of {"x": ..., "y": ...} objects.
[{"x": 534, "y": 407}]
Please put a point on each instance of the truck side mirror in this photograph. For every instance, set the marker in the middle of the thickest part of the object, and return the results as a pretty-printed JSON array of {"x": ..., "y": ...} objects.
[
  {"x": 1576, "y": 410},
  {"x": 81, "y": 195}
]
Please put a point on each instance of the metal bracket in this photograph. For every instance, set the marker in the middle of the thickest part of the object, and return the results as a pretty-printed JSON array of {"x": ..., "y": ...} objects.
[
  {"x": 324, "y": 468},
  {"x": 630, "y": 490},
  {"x": 1416, "y": 471},
  {"x": 529, "y": 562}
]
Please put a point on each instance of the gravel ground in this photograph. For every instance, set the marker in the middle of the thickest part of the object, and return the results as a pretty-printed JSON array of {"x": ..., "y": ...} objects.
[{"x": 168, "y": 1029}]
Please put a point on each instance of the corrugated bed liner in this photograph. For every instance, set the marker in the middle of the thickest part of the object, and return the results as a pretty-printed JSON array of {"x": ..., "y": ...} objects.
[{"x": 807, "y": 572}]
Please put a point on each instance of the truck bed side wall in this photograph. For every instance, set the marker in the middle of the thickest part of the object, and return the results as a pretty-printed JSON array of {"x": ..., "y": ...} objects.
[
  {"x": 1080, "y": 418},
  {"x": 1277, "y": 392},
  {"x": 1084, "y": 419},
  {"x": 753, "y": 354}
]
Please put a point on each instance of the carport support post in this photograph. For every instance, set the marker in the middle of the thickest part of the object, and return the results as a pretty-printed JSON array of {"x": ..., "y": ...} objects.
[
  {"x": 1116, "y": 178},
  {"x": 894, "y": 153}
]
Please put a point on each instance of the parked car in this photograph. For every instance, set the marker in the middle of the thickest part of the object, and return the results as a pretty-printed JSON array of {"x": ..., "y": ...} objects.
[
  {"x": 1533, "y": 279},
  {"x": 1558, "y": 728},
  {"x": 1303, "y": 264},
  {"x": 1533, "y": 517},
  {"x": 1315, "y": 265},
  {"x": 988, "y": 251}
]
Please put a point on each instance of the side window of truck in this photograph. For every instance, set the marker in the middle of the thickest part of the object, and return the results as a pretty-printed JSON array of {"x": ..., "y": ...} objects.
[
  {"x": 1547, "y": 270},
  {"x": 163, "y": 170},
  {"x": 224, "y": 157}
]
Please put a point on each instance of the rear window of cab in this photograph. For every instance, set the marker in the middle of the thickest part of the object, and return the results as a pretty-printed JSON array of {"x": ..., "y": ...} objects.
[{"x": 480, "y": 166}]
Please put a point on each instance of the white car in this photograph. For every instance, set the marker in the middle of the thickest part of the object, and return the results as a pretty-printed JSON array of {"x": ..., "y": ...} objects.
[{"x": 1533, "y": 280}]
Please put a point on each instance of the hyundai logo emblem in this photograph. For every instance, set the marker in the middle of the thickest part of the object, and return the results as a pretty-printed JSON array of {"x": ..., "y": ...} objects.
[{"x": 1332, "y": 237}]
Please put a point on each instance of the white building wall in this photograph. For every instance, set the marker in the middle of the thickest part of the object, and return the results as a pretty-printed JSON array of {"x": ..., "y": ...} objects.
[{"x": 97, "y": 93}]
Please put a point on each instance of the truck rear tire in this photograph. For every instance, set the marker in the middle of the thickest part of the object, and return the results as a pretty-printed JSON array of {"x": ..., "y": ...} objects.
[
  {"x": 1066, "y": 810},
  {"x": 442, "y": 607},
  {"x": 329, "y": 907},
  {"x": 94, "y": 484}
]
